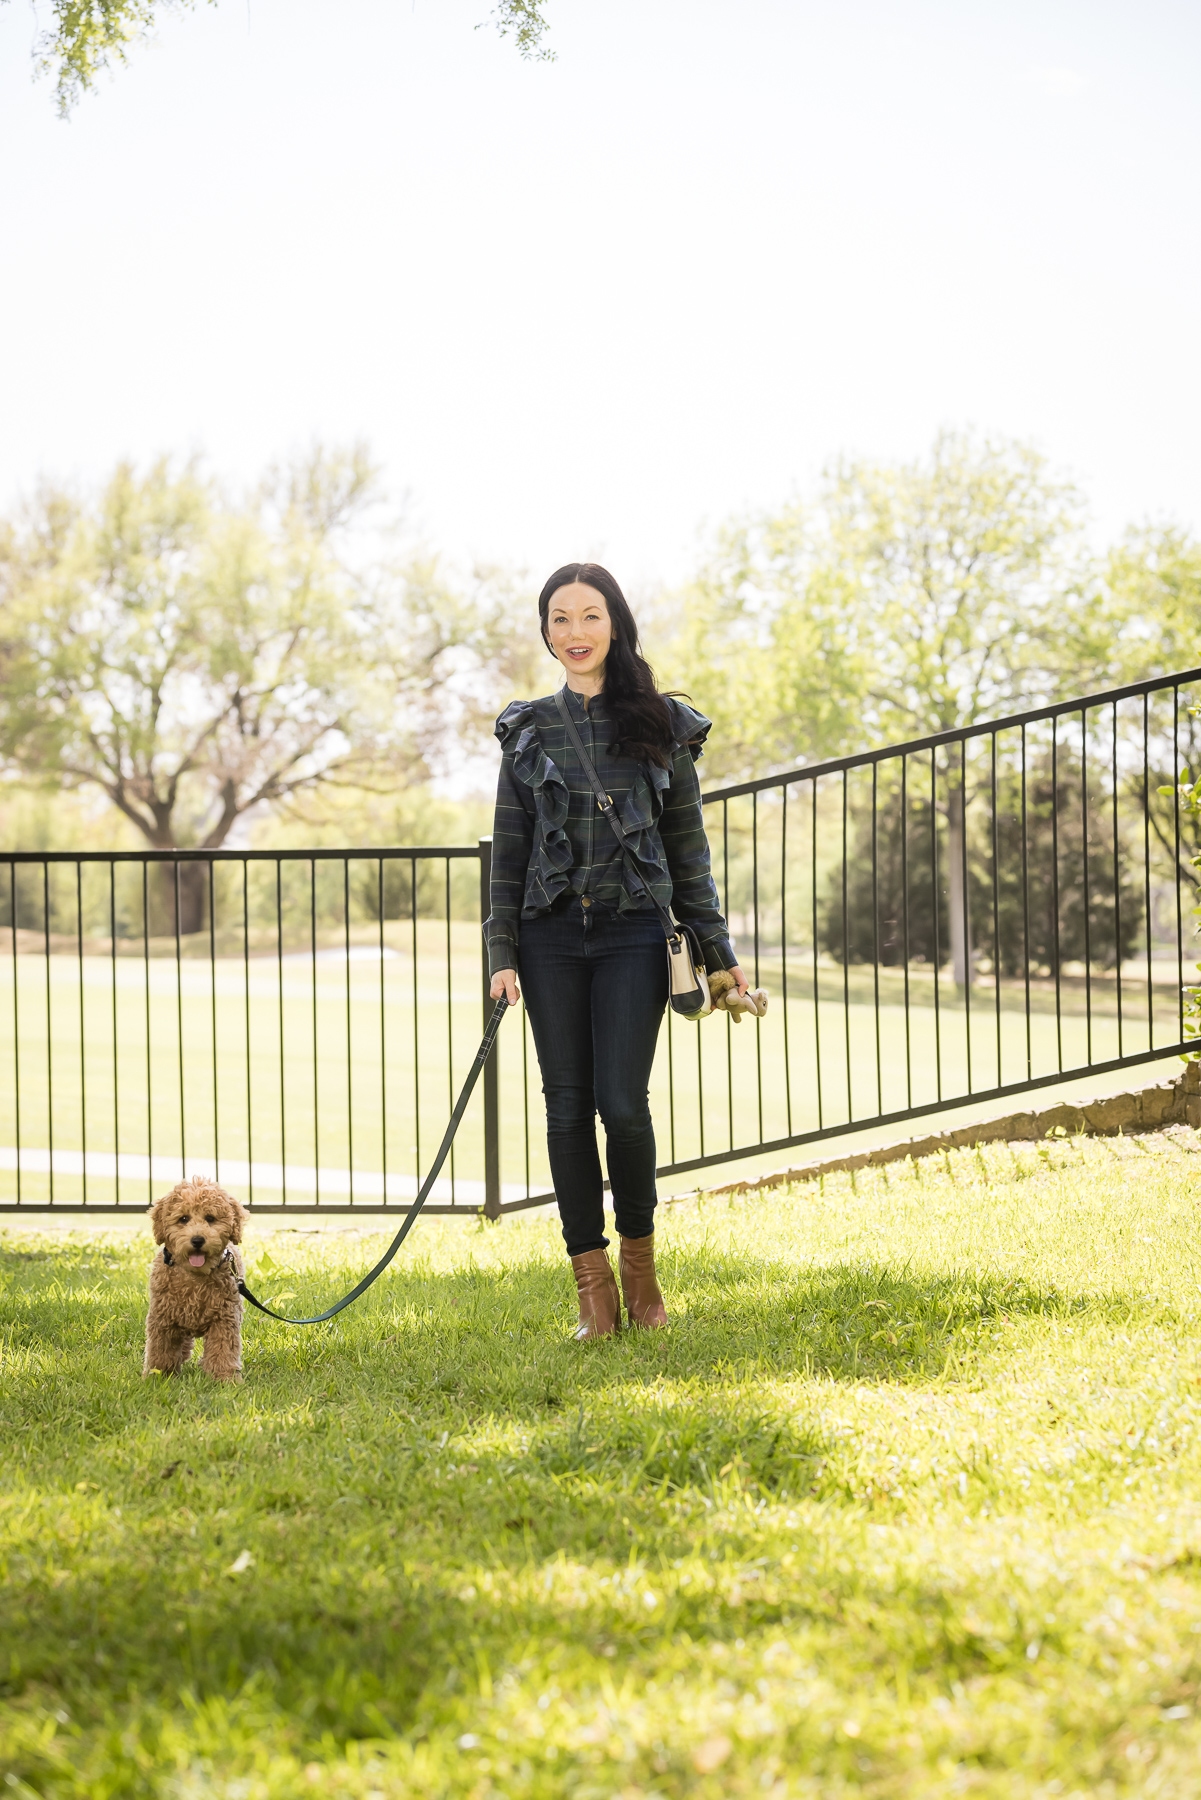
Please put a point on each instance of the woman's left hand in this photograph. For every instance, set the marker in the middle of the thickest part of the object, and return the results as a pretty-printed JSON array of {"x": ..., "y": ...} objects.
[{"x": 740, "y": 978}]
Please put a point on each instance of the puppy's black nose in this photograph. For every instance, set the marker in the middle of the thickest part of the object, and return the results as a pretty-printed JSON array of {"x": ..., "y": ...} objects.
[{"x": 198, "y": 1243}]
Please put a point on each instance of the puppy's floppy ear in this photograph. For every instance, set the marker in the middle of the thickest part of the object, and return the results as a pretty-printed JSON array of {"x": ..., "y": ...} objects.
[
  {"x": 158, "y": 1219},
  {"x": 240, "y": 1216}
]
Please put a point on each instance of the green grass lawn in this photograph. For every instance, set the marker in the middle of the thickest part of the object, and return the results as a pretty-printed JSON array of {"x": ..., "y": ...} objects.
[{"x": 907, "y": 1502}]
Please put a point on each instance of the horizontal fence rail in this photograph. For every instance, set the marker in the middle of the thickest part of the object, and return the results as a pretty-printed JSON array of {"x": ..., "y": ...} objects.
[{"x": 969, "y": 915}]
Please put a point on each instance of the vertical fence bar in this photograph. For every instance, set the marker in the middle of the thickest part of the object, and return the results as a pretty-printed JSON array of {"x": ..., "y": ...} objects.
[
  {"x": 905, "y": 923},
  {"x": 784, "y": 953},
  {"x": 213, "y": 1015},
  {"x": 450, "y": 1030},
  {"x": 817, "y": 1005},
  {"x": 1147, "y": 868},
  {"x": 246, "y": 1006},
  {"x": 846, "y": 956},
  {"x": 725, "y": 901},
  {"x": 83, "y": 1067},
  {"x": 416, "y": 1024},
  {"x": 349, "y": 1050},
  {"x": 1055, "y": 888},
  {"x": 49, "y": 1029},
  {"x": 1088, "y": 951},
  {"x": 1026, "y": 912},
  {"x": 146, "y": 984},
  {"x": 1176, "y": 861},
  {"x": 525, "y": 1101},
  {"x": 313, "y": 973},
  {"x": 937, "y": 910},
  {"x": 755, "y": 918},
  {"x": 383, "y": 1043},
  {"x": 491, "y": 1079},
  {"x": 183, "y": 1151},
  {"x": 671, "y": 1086},
  {"x": 876, "y": 935},
  {"x": 700, "y": 1095},
  {"x": 279, "y": 982},
  {"x": 967, "y": 912},
  {"x": 12, "y": 913},
  {"x": 112, "y": 944},
  {"x": 996, "y": 903},
  {"x": 1117, "y": 871}
]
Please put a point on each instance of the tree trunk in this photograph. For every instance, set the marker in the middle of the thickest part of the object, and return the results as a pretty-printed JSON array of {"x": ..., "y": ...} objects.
[
  {"x": 193, "y": 896},
  {"x": 182, "y": 907},
  {"x": 961, "y": 925}
]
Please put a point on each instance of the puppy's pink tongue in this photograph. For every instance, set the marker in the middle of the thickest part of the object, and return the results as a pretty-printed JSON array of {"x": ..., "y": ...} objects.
[{"x": 197, "y": 1262}]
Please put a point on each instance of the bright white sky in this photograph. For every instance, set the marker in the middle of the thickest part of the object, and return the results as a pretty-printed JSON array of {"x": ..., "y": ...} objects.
[{"x": 590, "y": 308}]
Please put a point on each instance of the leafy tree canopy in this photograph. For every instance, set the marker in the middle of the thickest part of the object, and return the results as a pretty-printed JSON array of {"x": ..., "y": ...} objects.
[
  {"x": 906, "y": 598},
  {"x": 198, "y": 656},
  {"x": 87, "y": 36}
]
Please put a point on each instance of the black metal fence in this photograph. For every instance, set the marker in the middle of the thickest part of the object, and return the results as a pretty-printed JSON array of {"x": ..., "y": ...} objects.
[{"x": 969, "y": 915}]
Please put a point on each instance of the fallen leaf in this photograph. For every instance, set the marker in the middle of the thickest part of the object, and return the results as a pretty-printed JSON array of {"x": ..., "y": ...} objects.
[{"x": 240, "y": 1563}]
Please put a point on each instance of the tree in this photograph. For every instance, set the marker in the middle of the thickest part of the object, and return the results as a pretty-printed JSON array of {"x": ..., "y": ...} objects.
[
  {"x": 1151, "y": 588},
  {"x": 910, "y": 599},
  {"x": 197, "y": 658},
  {"x": 965, "y": 579},
  {"x": 1150, "y": 595},
  {"x": 88, "y": 36},
  {"x": 1039, "y": 905},
  {"x": 764, "y": 646}
]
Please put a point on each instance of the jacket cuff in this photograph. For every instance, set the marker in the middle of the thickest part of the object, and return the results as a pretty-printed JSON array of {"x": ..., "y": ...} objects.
[
  {"x": 502, "y": 954},
  {"x": 719, "y": 954}
]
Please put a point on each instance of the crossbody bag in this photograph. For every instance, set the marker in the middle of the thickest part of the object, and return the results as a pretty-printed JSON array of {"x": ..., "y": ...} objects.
[{"x": 687, "y": 988}]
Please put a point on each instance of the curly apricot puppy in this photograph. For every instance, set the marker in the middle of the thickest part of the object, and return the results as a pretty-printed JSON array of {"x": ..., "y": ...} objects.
[{"x": 194, "y": 1281}]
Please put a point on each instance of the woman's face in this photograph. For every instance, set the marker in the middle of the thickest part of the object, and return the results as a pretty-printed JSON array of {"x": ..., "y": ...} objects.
[{"x": 579, "y": 628}]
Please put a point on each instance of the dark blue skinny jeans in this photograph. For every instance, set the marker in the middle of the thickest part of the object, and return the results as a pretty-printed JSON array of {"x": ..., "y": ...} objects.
[{"x": 595, "y": 986}]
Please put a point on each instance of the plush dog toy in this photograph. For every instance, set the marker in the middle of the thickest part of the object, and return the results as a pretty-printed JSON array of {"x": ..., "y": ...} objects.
[
  {"x": 724, "y": 997},
  {"x": 194, "y": 1281}
]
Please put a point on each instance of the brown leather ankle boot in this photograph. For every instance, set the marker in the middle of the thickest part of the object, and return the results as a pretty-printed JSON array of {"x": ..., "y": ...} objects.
[
  {"x": 636, "y": 1265},
  {"x": 600, "y": 1303}
]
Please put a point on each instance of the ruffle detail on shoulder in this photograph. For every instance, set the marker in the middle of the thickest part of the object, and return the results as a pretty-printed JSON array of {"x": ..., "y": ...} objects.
[
  {"x": 516, "y": 717},
  {"x": 688, "y": 727}
]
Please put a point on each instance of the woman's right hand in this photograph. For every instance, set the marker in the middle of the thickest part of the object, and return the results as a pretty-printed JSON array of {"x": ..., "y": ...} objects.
[{"x": 504, "y": 983}]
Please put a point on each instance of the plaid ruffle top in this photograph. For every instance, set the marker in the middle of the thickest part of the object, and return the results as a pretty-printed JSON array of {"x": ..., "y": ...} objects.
[{"x": 550, "y": 839}]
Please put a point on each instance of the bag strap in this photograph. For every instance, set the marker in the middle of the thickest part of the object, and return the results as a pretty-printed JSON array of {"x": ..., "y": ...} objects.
[{"x": 605, "y": 802}]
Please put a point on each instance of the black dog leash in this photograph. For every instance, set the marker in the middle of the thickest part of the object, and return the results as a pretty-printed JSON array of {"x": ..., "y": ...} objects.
[{"x": 481, "y": 1057}]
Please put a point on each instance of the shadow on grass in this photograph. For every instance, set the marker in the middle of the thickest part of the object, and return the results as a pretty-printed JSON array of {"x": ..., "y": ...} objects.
[
  {"x": 731, "y": 1319},
  {"x": 501, "y": 1338},
  {"x": 308, "y": 1540},
  {"x": 338, "y": 1645},
  {"x": 329, "y": 1569}
]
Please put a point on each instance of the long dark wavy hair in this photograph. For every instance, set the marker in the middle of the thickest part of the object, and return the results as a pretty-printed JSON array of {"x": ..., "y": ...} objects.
[{"x": 640, "y": 712}]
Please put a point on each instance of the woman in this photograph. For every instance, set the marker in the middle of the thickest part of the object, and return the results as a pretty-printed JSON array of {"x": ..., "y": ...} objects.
[{"x": 582, "y": 930}]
